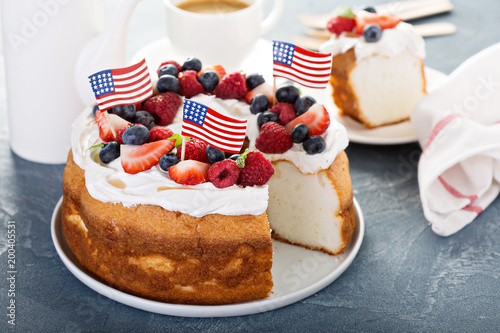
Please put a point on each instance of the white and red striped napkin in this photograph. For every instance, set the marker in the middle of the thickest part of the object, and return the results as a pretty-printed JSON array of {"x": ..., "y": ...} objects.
[{"x": 458, "y": 127}]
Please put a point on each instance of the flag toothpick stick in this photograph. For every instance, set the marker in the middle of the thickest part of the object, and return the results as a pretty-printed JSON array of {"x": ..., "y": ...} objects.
[
  {"x": 274, "y": 90},
  {"x": 183, "y": 148}
]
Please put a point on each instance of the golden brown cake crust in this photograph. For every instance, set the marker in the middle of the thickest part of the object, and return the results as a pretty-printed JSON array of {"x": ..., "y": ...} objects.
[
  {"x": 338, "y": 174},
  {"x": 343, "y": 94},
  {"x": 168, "y": 256}
]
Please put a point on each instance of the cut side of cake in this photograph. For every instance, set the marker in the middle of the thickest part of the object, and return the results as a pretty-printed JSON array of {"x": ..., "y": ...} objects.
[{"x": 312, "y": 210}]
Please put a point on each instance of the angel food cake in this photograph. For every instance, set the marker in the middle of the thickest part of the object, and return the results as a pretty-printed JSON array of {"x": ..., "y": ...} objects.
[
  {"x": 196, "y": 231},
  {"x": 377, "y": 69}
]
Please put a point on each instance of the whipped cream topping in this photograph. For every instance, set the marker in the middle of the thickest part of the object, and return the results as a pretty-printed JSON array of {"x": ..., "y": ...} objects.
[
  {"x": 402, "y": 38},
  {"x": 110, "y": 183}
]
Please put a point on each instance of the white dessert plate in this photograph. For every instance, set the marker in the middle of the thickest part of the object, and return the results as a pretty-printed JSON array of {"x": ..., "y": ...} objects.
[
  {"x": 297, "y": 274},
  {"x": 258, "y": 61}
]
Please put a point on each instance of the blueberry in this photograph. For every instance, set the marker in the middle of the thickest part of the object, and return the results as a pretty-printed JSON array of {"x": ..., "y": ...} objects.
[
  {"x": 214, "y": 155},
  {"x": 110, "y": 152},
  {"x": 167, "y": 160},
  {"x": 144, "y": 118},
  {"x": 287, "y": 94},
  {"x": 259, "y": 103},
  {"x": 372, "y": 33},
  {"x": 135, "y": 135},
  {"x": 314, "y": 145},
  {"x": 168, "y": 83},
  {"x": 127, "y": 112},
  {"x": 168, "y": 70},
  {"x": 254, "y": 80},
  {"x": 302, "y": 104},
  {"x": 370, "y": 9},
  {"x": 266, "y": 117},
  {"x": 209, "y": 80},
  {"x": 299, "y": 133},
  {"x": 193, "y": 64},
  {"x": 95, "y": 108},
  {"x": 234, "y": 157}
]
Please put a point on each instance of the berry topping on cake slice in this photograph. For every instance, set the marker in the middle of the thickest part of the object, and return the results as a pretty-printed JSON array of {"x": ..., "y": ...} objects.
[
  {"x": 189, "y": 172},
  {"x": 316, "y": 119},
  {"x": 159, "y": 133},
  {"x": 343, "y": 21},
  {"x": 170, "y": 62},
  {"x": 139, "y": 158},
  {"x": 364, "y": 18}
]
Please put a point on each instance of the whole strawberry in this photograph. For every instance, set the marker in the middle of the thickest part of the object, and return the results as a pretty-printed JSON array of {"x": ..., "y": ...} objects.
[
  {"x": 232, "y": 86},
  {"x": 273, "y": 139},
  {"x": 257, "y": 170},
  {"x": 189, "y": 85},
  {"x": 165, "y": 106},
  {"x": 195, "y": 150}
]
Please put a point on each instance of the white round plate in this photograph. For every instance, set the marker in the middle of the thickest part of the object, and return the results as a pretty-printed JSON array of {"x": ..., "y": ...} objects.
[
  {"x": 257, "y": 61},
  {"x": 297, "y": 274}
]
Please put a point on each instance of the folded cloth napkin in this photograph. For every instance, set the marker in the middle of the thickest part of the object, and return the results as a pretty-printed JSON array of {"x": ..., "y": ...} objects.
[{"x": 458, "y": 127}]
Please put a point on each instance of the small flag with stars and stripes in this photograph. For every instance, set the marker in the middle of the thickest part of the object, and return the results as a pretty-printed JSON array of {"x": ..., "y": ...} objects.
[
  {"x": 308, "y": 68},
  {"x": 220, "y": 131},
  {"x": 129, "y": 85}
]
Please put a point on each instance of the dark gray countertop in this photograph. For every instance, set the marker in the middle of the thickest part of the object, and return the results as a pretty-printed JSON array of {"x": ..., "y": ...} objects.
[{"x": 405, "y": 278}]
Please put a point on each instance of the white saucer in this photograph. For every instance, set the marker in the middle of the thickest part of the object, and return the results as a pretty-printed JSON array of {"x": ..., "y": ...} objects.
[
  {"x": 297, "y": 274},
  {"x": 260, "y": 60}
]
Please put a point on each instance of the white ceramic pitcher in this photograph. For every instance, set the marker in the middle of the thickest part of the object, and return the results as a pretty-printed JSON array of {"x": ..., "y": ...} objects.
[{"x": 47, "y": 45}]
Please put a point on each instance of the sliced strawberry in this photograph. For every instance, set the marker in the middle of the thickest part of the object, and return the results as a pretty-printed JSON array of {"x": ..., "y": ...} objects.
[
  {"x": 109, "y": 125},
  {"x": 139, "y": 158},
  {"x": 189, "y": 172},
  {"x": 216, "y": 68},
  {"x": 383, "y": 21},
  {"x": 105, "y": 132},
  {"x": 316, "y": 119},
  {"x": 264, "y": 88}
]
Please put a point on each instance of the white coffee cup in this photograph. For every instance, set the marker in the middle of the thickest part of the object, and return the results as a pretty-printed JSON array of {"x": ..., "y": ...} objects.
[
  {"x": 219, "y": 38},
  {"x": 42, "y": 41}
]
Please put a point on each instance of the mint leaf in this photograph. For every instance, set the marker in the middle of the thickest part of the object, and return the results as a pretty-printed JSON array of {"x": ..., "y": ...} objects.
[
  {"x": 344, "y": 11},
  {"x": 100, "y": 145},
  {"x": 240, "y": 161}
]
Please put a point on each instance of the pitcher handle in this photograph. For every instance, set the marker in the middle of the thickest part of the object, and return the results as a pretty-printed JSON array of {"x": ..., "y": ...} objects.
[{"x": 273, "y": 17}]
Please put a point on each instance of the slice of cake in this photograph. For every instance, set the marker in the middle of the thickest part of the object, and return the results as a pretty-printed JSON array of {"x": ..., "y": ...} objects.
[
  {"x": 196, "y": 231},
  {"x": 377, "y": 70}
]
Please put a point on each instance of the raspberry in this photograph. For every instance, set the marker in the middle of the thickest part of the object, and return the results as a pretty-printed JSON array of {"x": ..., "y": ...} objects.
[
  {"x": 195, "y": 150},
  {"x": 165, "y": 106},
  {"x": 286, "y": 111},
  {"x": 119, "y": 135},
  {"x": 159, "y": 133},
  {"x": 232, "y": 86},
  {"x": 170, "y": 62},
  {"x": 257, "y": 171},
  {"x": 224, "y": 173},
  {"x": 188, "y": 81},
  {"x": 273, "y": 139},
  {"x": 338, "y": 24}
]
